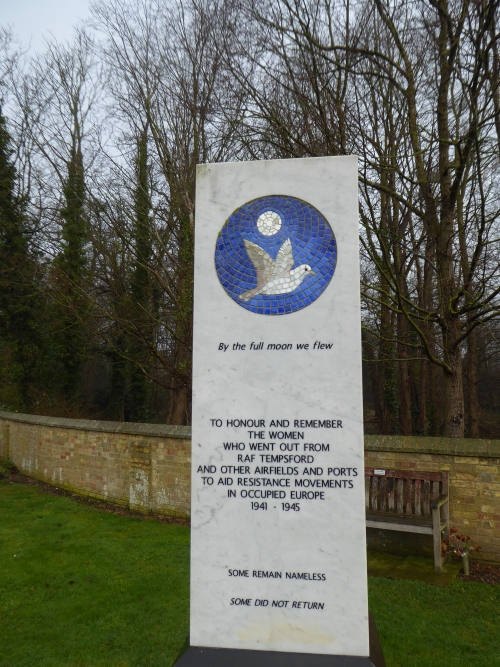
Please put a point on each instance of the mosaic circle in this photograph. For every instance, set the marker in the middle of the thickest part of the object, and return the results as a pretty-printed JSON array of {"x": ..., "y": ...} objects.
[
  {"x": 275, "y": 255},
  {"x": 269, "y": 223}
]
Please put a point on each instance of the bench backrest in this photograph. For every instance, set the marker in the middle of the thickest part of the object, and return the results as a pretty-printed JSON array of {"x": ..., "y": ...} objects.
[{"x": 403, "y": 492}]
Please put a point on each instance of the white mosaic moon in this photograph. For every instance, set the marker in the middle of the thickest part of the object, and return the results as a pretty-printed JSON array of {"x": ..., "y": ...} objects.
[{"x": 269, "y": 223}]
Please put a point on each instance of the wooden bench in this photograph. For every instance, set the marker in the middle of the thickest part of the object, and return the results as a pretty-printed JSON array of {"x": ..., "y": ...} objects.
[{"x": 409, "y": 501}]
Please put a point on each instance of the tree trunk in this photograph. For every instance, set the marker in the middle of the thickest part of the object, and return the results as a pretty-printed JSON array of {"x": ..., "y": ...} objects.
[
  {"x": 436, "y": 393},
  {"x": 388, "y": 378},
  {"x": 423, "y": 380},
  {"x": 453, "y": 396},
  {"x": 375, "y": 381},
  {"x": 404, "y": 394},
  {"x": 472, "y": 385},
  {"x": 179, "y": 415},
  {"x": 180, "y": 411}
]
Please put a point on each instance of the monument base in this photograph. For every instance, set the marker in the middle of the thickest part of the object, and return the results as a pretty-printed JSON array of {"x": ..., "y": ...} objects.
[{"x": 198, "y": 656}]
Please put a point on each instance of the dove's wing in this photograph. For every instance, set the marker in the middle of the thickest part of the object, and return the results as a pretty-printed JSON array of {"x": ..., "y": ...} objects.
[
  {"x": 284, "y": 261},
  {"x": 261, "y": 260}
]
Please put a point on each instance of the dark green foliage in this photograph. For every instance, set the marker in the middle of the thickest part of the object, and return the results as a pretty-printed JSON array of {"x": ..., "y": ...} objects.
[
  {"x": 115, "y": 401},
  {"x": 141, "y": 341},
  {"x": 183, "y": 316},
  {"x": 70, "y": 280},
  {"x": 130, "y": 343},
  {"x": 19, "y": 301},
  {"x": 141, "y": 288},
  {"x": 74, "y": 233}
]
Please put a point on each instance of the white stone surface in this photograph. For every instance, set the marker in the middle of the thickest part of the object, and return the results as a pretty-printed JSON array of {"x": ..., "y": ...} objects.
[{"x": 326, "y": 537}]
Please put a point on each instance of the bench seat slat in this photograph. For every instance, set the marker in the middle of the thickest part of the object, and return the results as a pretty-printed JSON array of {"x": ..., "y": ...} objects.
[
  {"x": 408, "y": 496},
  {"x": 390, "y": 494},
  {"x": 427, "y": 498},
  {"x": 418, "y": 499},
  {"x": 391, "y": 517},
  {"x": 403, "y": 527},
  {"x": 399, "y": 494},
  {"x": 374, "y": 503},
  {"x": 383, "y": 494}
]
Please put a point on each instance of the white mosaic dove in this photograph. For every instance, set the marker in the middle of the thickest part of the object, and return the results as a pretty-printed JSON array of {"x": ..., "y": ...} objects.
[{"x": 274, "y": 276}]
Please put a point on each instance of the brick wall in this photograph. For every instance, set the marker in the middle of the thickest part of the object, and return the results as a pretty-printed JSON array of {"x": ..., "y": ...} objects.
[
  {"x": 147, "y": 466},
  {"x": 474, "y": 479},
  {"x": 142, "y": 466}
]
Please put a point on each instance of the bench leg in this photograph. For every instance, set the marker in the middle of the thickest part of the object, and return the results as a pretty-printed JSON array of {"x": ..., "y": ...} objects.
[
  {"x": 446, "y": 518},
  {"x": 436, "y": 537}
]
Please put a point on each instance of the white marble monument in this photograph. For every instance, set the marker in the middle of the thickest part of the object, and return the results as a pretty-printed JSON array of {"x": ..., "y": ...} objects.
[{"x": 278, "y": 556}]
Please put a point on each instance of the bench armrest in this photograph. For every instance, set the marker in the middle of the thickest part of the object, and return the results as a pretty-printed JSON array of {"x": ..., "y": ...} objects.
[{"x": 439, "y": 502}]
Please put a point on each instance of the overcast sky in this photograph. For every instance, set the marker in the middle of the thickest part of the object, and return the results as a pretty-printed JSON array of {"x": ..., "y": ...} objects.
[{"x": 32, "y": 20}]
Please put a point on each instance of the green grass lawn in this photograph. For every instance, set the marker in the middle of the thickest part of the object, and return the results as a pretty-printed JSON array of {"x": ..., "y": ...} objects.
[
  {"x": 81, "y": 587},
  {"x": 421, "y": 625}
]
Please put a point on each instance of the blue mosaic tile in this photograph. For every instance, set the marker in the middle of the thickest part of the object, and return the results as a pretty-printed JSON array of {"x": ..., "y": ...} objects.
[{"x": 248, "y": 246}]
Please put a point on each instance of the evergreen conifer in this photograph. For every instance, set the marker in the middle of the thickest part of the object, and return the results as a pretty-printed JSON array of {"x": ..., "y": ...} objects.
[
  {"x": 139, "y": 395},
  {"x": 71, "y": 275},
  {"x": 19, "y": 300}
]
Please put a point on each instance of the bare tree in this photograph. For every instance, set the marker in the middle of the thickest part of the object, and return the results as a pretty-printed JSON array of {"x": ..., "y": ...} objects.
[
  {"x": 166, "y": 73},
  {"x": 408, "y": 87},
  {"x": 56, "y": 97}
]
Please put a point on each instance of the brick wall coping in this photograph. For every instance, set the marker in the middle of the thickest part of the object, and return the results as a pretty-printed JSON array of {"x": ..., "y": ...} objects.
[
  {"x": 155, "y": 430},
  {"x": 375, "y": 443},
  {"x": 427, "y": 445}
]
